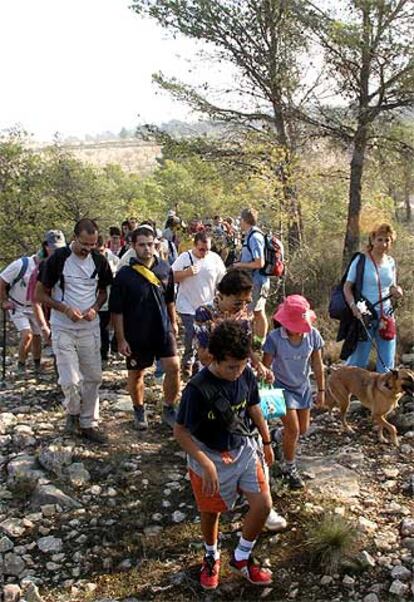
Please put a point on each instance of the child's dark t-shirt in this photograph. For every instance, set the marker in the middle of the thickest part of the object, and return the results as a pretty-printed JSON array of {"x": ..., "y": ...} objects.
[{"x": 199, "y": 417}]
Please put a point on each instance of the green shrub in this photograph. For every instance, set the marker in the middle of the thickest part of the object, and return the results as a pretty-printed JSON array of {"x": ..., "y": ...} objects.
[{"x": 330, "y": 541}]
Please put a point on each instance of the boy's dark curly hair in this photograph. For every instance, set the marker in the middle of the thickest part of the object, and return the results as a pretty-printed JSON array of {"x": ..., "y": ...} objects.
[
  {"x": 229, "y": 339},
  {"x": 235, "y": 282}
]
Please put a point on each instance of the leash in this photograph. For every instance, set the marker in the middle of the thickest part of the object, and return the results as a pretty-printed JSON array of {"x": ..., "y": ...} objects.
[{"x": 371, "y": 338}]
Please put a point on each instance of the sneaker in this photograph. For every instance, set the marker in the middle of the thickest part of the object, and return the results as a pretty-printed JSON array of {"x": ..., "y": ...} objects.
[
  {"x": 251, "y": 570},
  {"x": 140, "y": 418},
  {"x": 294, "y": 479},
  {"x": 94, "y": 435},
  {"x": 275, "y": 522},
  {"x": 72, "y": 424},
  {"x": 169, "y": 415},
  {"x": 209, "y": 574}
]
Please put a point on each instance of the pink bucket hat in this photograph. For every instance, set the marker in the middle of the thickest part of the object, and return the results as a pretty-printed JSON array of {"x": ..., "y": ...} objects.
[{"x": 295, "y": 314}]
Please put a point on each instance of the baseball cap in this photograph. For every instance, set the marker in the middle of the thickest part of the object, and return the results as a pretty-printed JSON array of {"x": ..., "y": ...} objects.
[{"x": 55, "y": 239}]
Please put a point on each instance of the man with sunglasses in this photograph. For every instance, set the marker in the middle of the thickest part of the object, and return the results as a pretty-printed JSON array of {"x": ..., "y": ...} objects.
[
  {"x": 73, "y": 282},
  {"x": 198, "y": 272},
  {"x": 142, "y": 306}
]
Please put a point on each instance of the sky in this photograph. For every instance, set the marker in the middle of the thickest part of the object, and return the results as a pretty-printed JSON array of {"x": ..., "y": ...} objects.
[{"x": 84, "y": 66}]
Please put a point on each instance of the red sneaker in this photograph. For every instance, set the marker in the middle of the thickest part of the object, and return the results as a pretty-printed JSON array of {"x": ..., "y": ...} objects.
[
  {"x": 251, "y": 570},
  {"x": 209, "y": 574}
]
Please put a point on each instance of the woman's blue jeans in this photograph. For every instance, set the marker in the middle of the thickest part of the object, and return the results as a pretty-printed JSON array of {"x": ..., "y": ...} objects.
[{"x": 386, "y": 349}]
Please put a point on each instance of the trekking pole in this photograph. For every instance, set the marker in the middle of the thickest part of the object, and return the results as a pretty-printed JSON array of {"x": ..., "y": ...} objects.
[{"x": 3, "y": 366}]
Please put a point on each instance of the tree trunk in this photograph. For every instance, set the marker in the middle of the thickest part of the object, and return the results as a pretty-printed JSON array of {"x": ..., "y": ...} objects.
[
  {"x": 407, "y": 205},
  {"x": 352, "y": 235}
]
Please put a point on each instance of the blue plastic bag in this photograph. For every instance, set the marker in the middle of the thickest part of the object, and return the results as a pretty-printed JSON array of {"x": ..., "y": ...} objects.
[{"x": 272, "y": 402}]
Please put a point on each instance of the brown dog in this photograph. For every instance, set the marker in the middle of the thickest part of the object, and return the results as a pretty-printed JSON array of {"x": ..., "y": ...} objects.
[{"x": 378, "y": 392}]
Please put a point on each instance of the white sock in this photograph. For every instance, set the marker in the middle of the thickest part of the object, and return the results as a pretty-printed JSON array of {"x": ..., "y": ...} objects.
[
  {"x": 244, "y": 549},
  {"x": 212, "y": 550}
]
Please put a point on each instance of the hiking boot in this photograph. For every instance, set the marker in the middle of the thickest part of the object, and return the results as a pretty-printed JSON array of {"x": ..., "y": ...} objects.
[
  {"x": 293, "y": 478},
  {"x": 209, "y": 574},
  {"x": 140, "y": 418},
  {"x": 187, "y": 371},
  {"x": 251, "y": 570},
  {"x": 169, "y": 415},
  {"x": 94, "y": 435},
  {"x": 275, "y": 522},
  {"x": 72, "y": 424},
  {"x": 20, "y": 370}
]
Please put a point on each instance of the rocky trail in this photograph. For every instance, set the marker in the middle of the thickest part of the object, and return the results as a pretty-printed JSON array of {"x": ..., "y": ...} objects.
[{"x": 81, "y": 522}]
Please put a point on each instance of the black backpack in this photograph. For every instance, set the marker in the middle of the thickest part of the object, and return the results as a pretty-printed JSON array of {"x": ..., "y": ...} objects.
[
  {"x": 338, "y": 307},
  {"x": 218, "y": 402},
  {"x": 55, "y": 263}
]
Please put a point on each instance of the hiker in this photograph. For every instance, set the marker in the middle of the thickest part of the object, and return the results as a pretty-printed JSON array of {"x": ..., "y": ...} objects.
[
  {"x": 233, "y": 295},
  {"x": 73, "y": 282},
  {"x": 292, "y": 348},
  {"x": 218, "y": 409},
  {"x": 253, "y": 258},
  {"x": 378, "y": 282},
  {"x": 197, "y": 272},
  {"x": 54, "y": 239},
  {"x": 104, "y": 313},
  {"x": 14, "y": 283},
  {"x": 143, "y": 312},
  {"x": 115, "y": 240}
]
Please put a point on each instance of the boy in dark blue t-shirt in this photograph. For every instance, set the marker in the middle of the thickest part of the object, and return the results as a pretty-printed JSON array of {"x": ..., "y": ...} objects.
[{"x": 213, "y": 426}]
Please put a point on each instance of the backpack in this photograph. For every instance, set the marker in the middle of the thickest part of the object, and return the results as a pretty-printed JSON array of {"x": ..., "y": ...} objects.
[
  {"x": 218, "y": 402},
  {"x": 20, "y": 275},
  {"x": 273, "y": 255},
  {"x": 338, "y": 307},
  {"x": 59, "y": 258}
]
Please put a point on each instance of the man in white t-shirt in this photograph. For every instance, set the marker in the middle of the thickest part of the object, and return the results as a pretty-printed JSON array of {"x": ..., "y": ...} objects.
[
  {"x": 197, "y": 272},
  {"x": 73, "y": 282},
  {"x": 14, "y": 281}
]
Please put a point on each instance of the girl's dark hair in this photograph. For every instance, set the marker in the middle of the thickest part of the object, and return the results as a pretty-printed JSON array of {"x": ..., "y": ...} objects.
[
  {"x": 114, "y": 231},
  {"x": 229, "y": 340},
  {"x": 235, "y": 282}
]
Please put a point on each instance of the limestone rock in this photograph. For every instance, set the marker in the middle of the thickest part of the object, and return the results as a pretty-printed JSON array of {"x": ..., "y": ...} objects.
[
  {"x": 13, "y": 527},
  {"x": 407, "y": 527},
  {"x": 11, "y": 593},
  {"x": 50, "y": 544},
  {"x": 7, "y": 420},
  {"x": 398, "y": 588},
  {"x": 49, "y": 494},
  {"x": 78, "y": 475},
  {"x": 54, "y": 458},
  {"x": 6, "y": 544},
  {"x": 331, "y": 478},
  {"x": 24, "y": 466},
  {"x": 13, "y": 564},
  {"x": 31, "y": 593},
  {"x": 401, "y": 573}
]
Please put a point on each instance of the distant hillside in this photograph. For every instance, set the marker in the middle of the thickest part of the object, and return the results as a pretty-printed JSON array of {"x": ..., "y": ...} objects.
[{"x": 131, "y": 154}]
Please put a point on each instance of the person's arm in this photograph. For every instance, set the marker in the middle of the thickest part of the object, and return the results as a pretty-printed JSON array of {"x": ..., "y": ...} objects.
[
  {"x": 5, "y": 303},
  {"x": 317, "y": 367},
  {"x": 123, "y": 345},
  {"x": 91, "y": 313},
  {"x": 256, "y": 415},
  {"x": 256, "y": 264},
  {"x": 173, "y": 317},
  {"x": 181, "y": 275},
  {"x": 41, "y": 320},
  {"x": 267, "y": 359},
  {"x": 263, "y": 371},
  {"x": 43, "y": 295},
  {"x": 186, "y": 442},
  {"x": 349, "y": 298}
]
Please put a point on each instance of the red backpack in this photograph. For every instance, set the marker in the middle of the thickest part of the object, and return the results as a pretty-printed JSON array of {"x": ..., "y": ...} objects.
[{"x": 273, "y": 255}]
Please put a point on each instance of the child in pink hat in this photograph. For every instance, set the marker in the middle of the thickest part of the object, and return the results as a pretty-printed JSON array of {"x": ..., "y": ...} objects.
[{"x": 292, "y": 349}]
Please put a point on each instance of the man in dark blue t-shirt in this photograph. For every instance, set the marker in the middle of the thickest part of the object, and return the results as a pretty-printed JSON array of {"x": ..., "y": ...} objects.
[
  {"x": 213, "y": 426},
  {"x": 142, "y": 304}
]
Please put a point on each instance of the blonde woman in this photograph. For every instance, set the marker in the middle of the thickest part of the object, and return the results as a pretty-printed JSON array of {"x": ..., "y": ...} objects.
[{"x": 379, "y": 287}]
